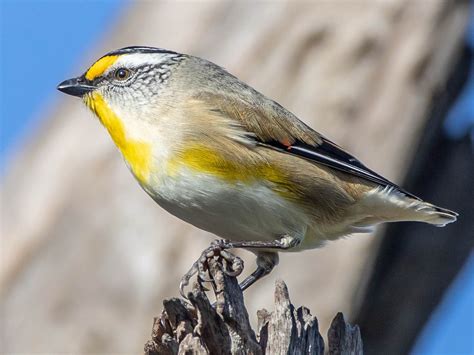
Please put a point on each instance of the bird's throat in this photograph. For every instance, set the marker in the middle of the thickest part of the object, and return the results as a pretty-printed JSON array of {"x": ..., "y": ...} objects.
[{"x": 137, "y": 154}]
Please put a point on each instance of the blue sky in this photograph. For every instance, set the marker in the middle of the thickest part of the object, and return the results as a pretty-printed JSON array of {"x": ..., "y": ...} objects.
[
  {"x": 43, "y": 43},
  {"x": 451, "y": 327}
]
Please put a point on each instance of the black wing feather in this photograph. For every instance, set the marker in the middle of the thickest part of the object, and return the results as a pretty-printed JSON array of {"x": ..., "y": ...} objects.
[{"x": 329, "y": 154}]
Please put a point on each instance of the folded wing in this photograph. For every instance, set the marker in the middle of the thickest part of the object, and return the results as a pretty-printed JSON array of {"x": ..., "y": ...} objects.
[{"x": 272, "y": 126}]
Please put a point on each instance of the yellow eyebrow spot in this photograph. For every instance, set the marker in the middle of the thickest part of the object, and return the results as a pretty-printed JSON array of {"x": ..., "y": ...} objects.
[{"x": 99, "y": 67}]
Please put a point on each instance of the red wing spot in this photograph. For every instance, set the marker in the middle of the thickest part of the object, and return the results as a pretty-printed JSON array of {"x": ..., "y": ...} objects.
[{"x": 286, "y": 142}]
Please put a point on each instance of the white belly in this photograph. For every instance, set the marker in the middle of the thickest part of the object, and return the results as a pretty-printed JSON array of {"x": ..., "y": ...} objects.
[{"x": 235, "y": 211}]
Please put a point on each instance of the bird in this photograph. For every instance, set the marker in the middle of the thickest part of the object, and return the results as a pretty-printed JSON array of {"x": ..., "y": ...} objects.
[{"x": 218, "y": 154}]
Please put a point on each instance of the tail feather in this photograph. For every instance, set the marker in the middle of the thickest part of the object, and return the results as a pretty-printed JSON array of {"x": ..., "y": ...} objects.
[
  {"x": 435, "y": 215},
  {"x": 391, "y": 205}
]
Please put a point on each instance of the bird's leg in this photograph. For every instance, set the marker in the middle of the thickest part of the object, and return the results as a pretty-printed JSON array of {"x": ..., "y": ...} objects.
[
  {"x": 285, "y": 242},
  {"x": 265, "y": 263},
  {"x": 235, "y": 264}
]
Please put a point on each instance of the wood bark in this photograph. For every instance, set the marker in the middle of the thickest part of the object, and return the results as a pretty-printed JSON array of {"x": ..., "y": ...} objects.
[{"x": 199, "y": 327}]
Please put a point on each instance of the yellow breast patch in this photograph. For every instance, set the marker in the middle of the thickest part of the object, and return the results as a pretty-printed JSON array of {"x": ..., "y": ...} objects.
[
  {"x": 137, "y": 154},
  {"x": 99, "y": 67},
  {"x": 201, "y": 158}
]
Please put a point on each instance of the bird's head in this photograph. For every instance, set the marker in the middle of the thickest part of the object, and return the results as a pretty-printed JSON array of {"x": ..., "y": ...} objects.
[
  {"x": 123, "y": 89},
  {"x": 127, "y": 80}
]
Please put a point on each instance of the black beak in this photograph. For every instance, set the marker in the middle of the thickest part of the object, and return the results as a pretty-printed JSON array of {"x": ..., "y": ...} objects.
[{"x": 76, "y": 87}]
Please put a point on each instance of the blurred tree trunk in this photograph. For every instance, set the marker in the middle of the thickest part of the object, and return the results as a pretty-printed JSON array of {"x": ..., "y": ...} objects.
[
  {"x": 420, "y": 263},
  {"x": 85, "y": 243}
]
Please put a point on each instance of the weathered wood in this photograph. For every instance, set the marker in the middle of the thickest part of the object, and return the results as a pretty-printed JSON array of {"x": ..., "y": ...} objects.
[
  {"x": 344, "y": 338},
  {"x": 198, "y": 327},
  {"x": 290, "y": 330}
]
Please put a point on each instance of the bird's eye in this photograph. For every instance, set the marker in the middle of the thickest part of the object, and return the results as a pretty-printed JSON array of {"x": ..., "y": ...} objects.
[{"x": 122, "y": 74}]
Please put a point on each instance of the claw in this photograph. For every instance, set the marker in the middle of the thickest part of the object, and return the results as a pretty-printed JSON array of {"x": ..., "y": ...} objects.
[
  {"x": 185, "y": 279},
  {"x": 227, "y": 256},
  {"x": 198, "y": 267},
  {"x": 234, "y": 263},
  {"x": 201, "y": 286},
  {"x": 219, "y": 243},
  {"x": 182, "y": 285},
  {"x": 202, "y": 273},
  {"x": 212, "y": 251},
  {"x": 237, "y": 267}
]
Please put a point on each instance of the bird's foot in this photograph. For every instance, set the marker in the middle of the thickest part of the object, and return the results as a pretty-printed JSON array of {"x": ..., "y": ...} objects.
[{"x": 233, "y": 265}]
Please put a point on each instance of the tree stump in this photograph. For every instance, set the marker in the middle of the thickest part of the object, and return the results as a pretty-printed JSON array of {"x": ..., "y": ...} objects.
[{"x": 200, "y": 327}]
